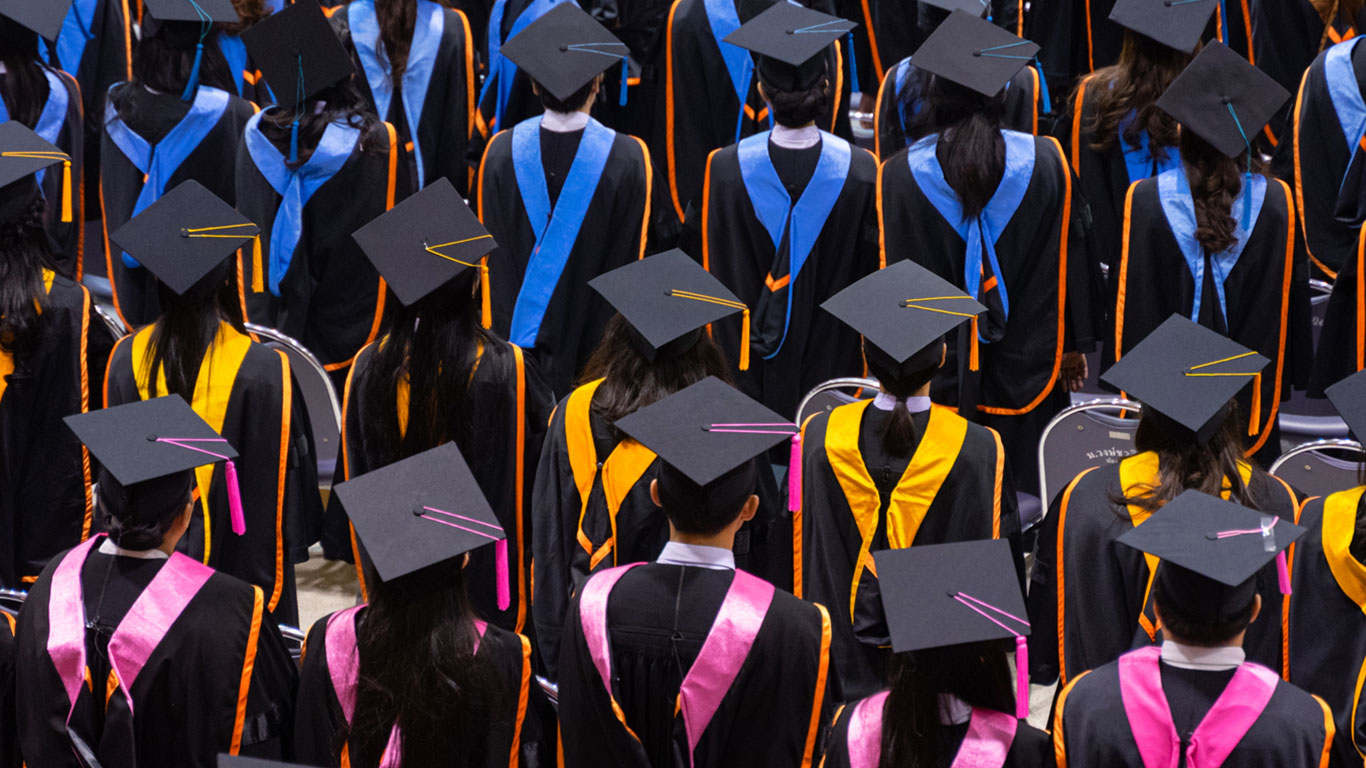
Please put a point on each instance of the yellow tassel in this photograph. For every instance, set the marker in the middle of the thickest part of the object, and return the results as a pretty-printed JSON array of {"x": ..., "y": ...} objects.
[
  {"x": 972, "y": 357},
  {"x": 66, "y": 192},
  {"x": 258, "y": 278},
  {"x": 744, "y": 340},
  {"x": 1254, "y": 422},
  {"x": 486, "y": 308}
]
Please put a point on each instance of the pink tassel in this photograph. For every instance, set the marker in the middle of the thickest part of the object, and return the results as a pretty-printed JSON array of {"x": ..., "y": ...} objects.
[
  {"x": 500, "y": 554},
  {"x": 1021, "y": 678},
  {"x": 239, "y": 521},
  {"x": 1283, "y": 572},
  {"x": 794, "y": 475}
]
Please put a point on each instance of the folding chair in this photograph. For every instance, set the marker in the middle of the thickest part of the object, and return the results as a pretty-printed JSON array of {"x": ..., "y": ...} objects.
[
  {"x": 1321, "y": 467},
  {"x": 1083, "y": 436},
  {"x": 552, "y": 691},
  {"x": 294, "y": 641},
  {"x": 11, "y": 600},
  {"x": 829, "y": 395},
  {"x": 111, "y": 321}
]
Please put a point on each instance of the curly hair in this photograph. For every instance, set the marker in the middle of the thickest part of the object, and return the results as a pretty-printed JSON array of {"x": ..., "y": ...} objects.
[
  {"x": 794, "y": 109},
  {"x": 1215, "y": 180},
  {"x": 1134, "y": 84}
]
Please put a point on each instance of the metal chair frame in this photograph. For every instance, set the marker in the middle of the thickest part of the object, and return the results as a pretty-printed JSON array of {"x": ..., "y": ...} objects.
[
  {"x": 11, "y": 600},
  {"x": 1100, "y": 404},
  {"x": 848, "y": 382},
  {"x": 270, "y": 334},
  {"x": 111, "y": 321},
  {"x": 1315, "y": 446}
]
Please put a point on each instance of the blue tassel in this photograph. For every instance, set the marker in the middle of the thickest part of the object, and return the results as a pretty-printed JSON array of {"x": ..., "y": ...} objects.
[
  {"x": 853, "y": 67},
  {"x": 1247, "y": 196},
  {"x": 1043, "y": 88},
  {"x": 625, "y": 76},
  {"x": 294, "y": 142},
  {"x": 193, "y": 84}
]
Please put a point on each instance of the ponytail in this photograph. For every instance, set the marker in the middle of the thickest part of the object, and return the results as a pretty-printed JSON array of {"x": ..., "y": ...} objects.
[
  {"x": 1215, "y": 181},
  {"x": 971, "y": 149},
  {"x": 898, "y": 435},
  {"x": 397, "y": 19}
]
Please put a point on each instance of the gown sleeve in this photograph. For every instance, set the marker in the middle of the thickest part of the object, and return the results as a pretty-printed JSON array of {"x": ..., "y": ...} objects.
[
  {"x": 1042, "y": 602},
  {"x": 270, "y": 697},
  {"x": 9, "y": 737},
  {"x": 554, "y": 508},
  {"x": 317, "y": 719}
]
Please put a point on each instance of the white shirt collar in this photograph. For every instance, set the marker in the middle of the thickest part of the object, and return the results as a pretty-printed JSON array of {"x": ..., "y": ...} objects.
[
  {"x": 1221, "y": 658},
  {"x": 698, "y": 556},
  {"x": 886, "y": 402},
  {"x": 108, "y": 547},
  {"x": 795, "y": 138},
  {"x": 564, "y": 122}
]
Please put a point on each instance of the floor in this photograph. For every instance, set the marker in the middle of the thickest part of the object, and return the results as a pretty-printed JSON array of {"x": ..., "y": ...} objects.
[{"x": 324, "y": 586}]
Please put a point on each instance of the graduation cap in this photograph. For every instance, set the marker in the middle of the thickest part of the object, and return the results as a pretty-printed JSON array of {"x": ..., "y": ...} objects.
[
  {"x": 790, "y": 40},
  {"x": 1188, "y": 373},
  {"x": 426, "y": 241},
  {"x": 185, "y": 235},
  {"x": 300, "y": 55},
  {"x": 1348, "y": 396},
  {"x": 1212, "y": 549},
  {"x": 206, "y": 12},
  {"x": 939, "y": 595},
  {"x": 422, "y": 511},
  {"x": 904, "y": 310},
  {"x": 1176, "y": 24},
  {"x": 667, "y": 299},
  {"x": 22, "y": 154},
  {"x": 236, "y": 761},
  {"x": 978, "y": 7},
  {"x": 151, "y": 439},
  {"x": 42, "y": 16},
  {"x": 565, "y": 49},
  {"x": 974, "y": 53}
]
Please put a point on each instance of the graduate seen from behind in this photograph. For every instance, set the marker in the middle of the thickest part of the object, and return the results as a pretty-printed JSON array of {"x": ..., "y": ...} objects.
[
  {"x": 592, "y": 502},
  {"x": 438, "y": 375},
  {"x": 254, "y": 518},
  {"x": 1196, "y": 700},
  {"x": 954, "y": 610},
  {"x": 566, "y": 197},
  {"x": 415, "y": 677},
  {"x": 894, "y": 471},
  {"x": 189, "y": 661},
  {"x": 789, "y": 216},
  {"x": 1091, "y": 600},
  {"x": 686, "y": 660}
]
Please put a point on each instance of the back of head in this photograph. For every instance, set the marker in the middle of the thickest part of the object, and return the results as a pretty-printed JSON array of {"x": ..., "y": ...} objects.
[
  {"x": 188, "y": 325},
  {"x": 24, "y": 86},
  {"x": 1197, "y": 610},
  {"x": 137, "y": 516},
  {"x": 901, "y": 382},
  {"x": 340, "y": 102},
  {"x": 24, "y": 252},
  {"x": 575, "y": 102},
  {"x": 704, "y": 509},
  {"x": 1184, "y": 464},
  {"x": 1133, "y": 85},
  {"x": 975, "y": 673},
  {"x": 970, "y": 149},
  {"x": 164, "y": 59},
  {"x": 795, "y": 109},
  {"x": 1215, "y": 181}
]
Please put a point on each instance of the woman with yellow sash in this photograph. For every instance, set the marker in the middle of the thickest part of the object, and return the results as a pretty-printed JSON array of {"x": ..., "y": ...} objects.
[
  {"x": 1328, "y": 608},
  {"x": 254, "y": 517},
  {"x": 895, "y": 471},
  {"x": 1089, "y": 598}
]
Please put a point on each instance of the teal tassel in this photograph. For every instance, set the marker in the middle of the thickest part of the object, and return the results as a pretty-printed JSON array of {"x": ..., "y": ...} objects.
[
  {"x": 853, "y": 67},
  {"x": 1043, "y": 88},
  {"x": 294, "y": 142},
  {"x": 193, "y": 84},
  {"x": 625, "y": 75}
]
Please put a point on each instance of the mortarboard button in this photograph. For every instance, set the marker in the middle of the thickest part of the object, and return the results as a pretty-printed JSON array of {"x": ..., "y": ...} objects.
[
  {"x": 1348, "y": 396},
  {"x": 298, "y": 52},
  {"x": 790, "y": 40},
  {"x": 565, "y": 49},
  {"x": 974, "y": 53},
  {"x": 1223, "y": 99},
  {"x": 42, "y": 16},
  {"x": 1177, "y": 24}
]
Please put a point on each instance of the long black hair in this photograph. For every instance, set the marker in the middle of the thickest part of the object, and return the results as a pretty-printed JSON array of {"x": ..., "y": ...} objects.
[
  {"x": 1183, "y": 464},
  {"x": 970, "y": 149},
  {"x": 164, "y": 59},
  {"x": 24, "y": 253},
  {"x": 341, "y": 102},
  {"x": 975, "y": 673},
  {"x": 416, "y": 644},
  {"x": 25, "y": 86},
  {"x": 187, "y": 327}
]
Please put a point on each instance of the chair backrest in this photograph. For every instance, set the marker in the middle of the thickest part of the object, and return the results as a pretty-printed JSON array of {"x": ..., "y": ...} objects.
[
  {"x": 320, "y": 398},
  {"x": 11, "y": 600},
  {"x": 551, "y": 691},
  {"x": 294, "y": 641},
  {"x": 111, "y": 321},
  {"x": 1084, "y": 436},
  {"x": 1321, "y": 467},
  {"x": 831, "y": 394}
]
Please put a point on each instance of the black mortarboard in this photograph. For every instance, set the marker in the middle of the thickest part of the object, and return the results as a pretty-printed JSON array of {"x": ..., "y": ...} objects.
[
  {"x": 791, "y": 41},
  {"x": 565, "y": 49},
  {"x": 148, "y": 439},
  {"x": 1223, "y": 99},
  {"x": 667, "y": 299},
  {"x": 419, "y": 512},
  {"x": 1188, "y": 373},
  {"x": 42, "y": 16},
  {"x": 22, "y": 154},
  {"x": 298, "y": 52},
  {"x": 974, "y": 53},
  {"x": 903, "y": 309},
  {"x": 1178, "y": 25},
  {"x": 1348, "y": 396},
  {"x": 425, "y": 241},
  {"x": 707, "y": 429},
  {"x": 185, "y": 235},
  {"x": 235, "y": 761},
  {"x": 221, "y": 11},
  {"x": 978, "y": 7}
]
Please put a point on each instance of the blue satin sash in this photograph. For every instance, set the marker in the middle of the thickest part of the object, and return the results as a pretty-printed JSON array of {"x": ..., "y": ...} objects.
[
  {"x": 77, "y": 31},
  {"x": 1174, "y": 191},
  {"x": 502, "y": 70},
  {"x": 1345, "y": 92},
  {"x": 426, "y": 43},
  {"x": 235, "y": 51},
  {"x": 158, "y": 163},
  {"x": 556, "y": 229},
  {"x": 1139, "y": 160},
  {"x": 295, "y": 186},
  {"x": 724, "y": 19},
  {"x": 980, "y": 233},
  {"x": 800, "y": 224}
]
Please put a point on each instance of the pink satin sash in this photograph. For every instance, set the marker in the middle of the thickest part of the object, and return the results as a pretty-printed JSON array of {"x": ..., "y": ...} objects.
[
  {"x": 865, "y": 732},
  {"x": 1223, "y": 727},
  {"x": 66, "y": 621},
  {"x": 593, "y": 619},
  {"x": 987, "y": 743}
]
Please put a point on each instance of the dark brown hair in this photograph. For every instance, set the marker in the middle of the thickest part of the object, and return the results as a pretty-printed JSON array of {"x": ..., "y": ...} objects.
[
  {"x": 1215, "y": 180},
  {"x": 25, "y": 85},
  {"x": 397, "y": 20},
  {"x": 1183, "y": 464},
  {"x": 1144, "y": 70},
  {"x": 971, "y": 150},
  {"x": 975, "y": 673},
  {"x": 24, "y": 252},
  {"x": 188, "y": 326}
]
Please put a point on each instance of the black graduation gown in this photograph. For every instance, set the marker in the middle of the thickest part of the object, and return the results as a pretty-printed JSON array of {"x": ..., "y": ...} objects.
[
  {"x": 848, "y": 486},
  {"x": 9, "y": 709},
  {"x": 331, "y": 298},
  {"x": 793, "y": 344},
  {"x": 900, "y": 27},
  {"x": 212, "y": 163},
  {"x": 45, "y": 472},
  {"x": 612, "y": 234},
  {"x": 515, "y": 734},
  {"x": 443, "y": 128},
  {"x": 1031, "y": 748},
  {"x": 1342, "y": 340},
  {"x": 1088, "y": 595},
  {"x": 1052, "y": 284},
  {"x": 220, "y": 680},
  {"x": 521, "y": 102},
  {"x": 247, "y": 394},
  {"x": 509, "y": 404},
  {"x": 771, "y": 713},
  {"x": 1023, "y": 105},
  {"x": 1287, "y": 35},
  {"x": 1327, "y": 629},
  {"x": 1267, "y": 295},
  {"x": 618, "y": 522},
  {"x": 1091, "y": 725}
]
